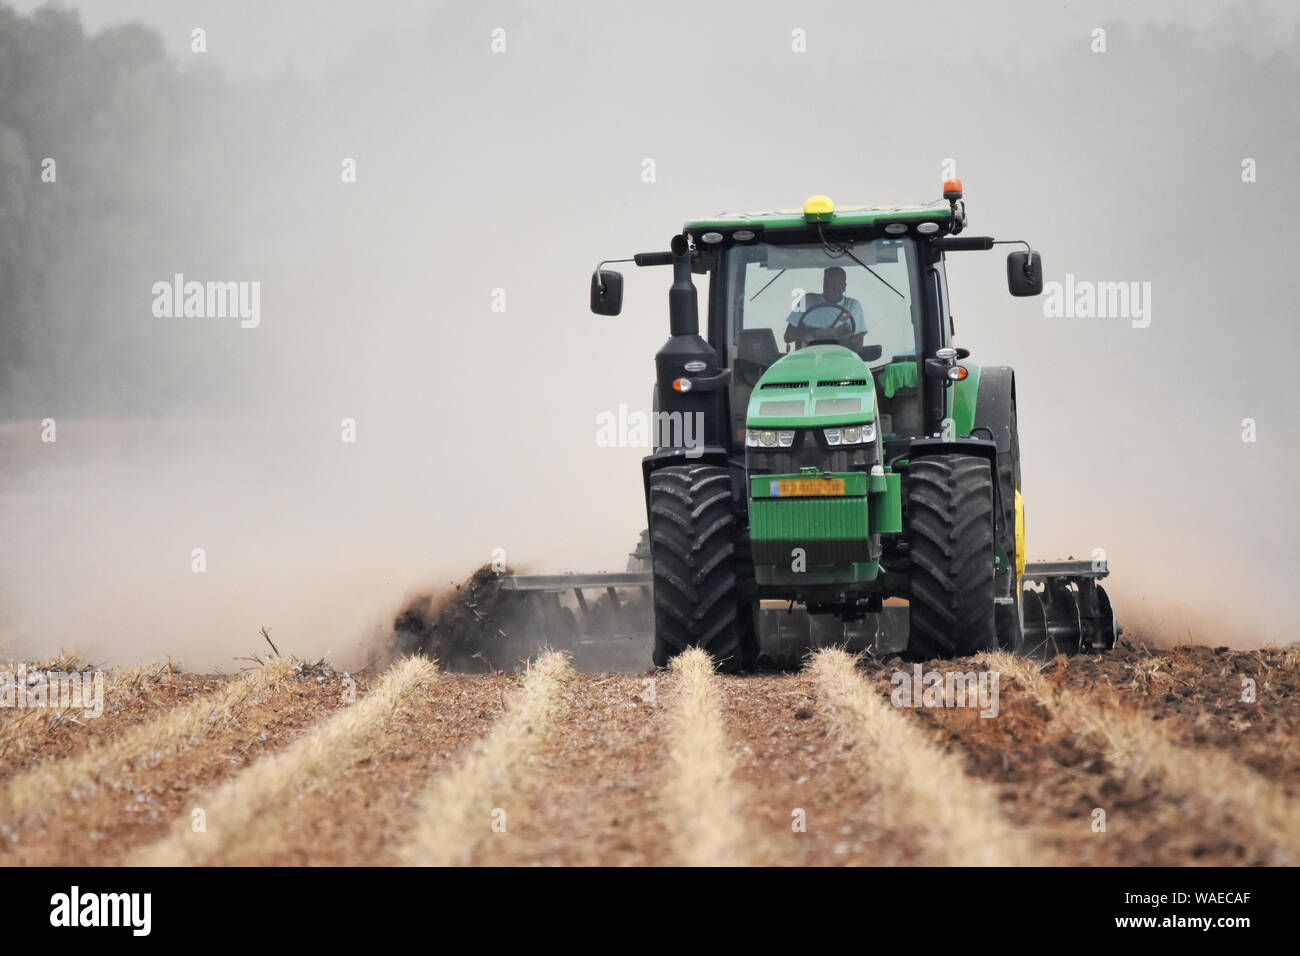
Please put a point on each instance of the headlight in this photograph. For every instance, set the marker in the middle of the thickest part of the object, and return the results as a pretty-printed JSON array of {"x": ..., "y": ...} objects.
[
  {"x": 851, "y": 434},
  {"x": 771, "y": 438},
  {"x": 767, "y": 438}
]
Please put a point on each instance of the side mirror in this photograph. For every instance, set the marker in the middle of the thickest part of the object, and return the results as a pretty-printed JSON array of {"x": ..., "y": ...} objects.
[
  {"x": 1024, "y": 273},
  {"x": 606, "y": 292}
]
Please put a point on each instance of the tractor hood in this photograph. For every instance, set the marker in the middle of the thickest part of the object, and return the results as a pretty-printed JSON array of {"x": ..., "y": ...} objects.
[{"x": 822, "y": 385}]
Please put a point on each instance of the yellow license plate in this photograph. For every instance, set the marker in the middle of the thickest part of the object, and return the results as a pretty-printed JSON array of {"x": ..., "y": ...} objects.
[{"x": 806, "y": 487}]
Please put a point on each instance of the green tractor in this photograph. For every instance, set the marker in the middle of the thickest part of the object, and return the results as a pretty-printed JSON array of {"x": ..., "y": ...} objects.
[{"x": 821, "y": 443}]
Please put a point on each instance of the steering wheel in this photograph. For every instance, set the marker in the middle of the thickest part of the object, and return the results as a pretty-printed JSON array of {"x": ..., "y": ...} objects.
[{"x": 844, "y": 318}]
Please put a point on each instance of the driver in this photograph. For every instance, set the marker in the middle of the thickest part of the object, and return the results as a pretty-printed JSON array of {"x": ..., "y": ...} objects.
[{"x": 822, "y": 311}]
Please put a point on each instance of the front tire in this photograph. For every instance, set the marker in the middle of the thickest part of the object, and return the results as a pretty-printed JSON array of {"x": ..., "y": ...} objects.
[
  {"x": 951, "y": 546},
  {"x": 702, "y": 592}
]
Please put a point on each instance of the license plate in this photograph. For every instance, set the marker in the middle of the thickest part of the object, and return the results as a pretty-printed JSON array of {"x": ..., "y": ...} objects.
[{"x": 806, "y": 487}]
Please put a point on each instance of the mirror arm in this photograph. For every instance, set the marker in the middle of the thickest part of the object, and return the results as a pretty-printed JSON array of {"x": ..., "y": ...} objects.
[
  {"x": 600, "y": 283},
  {"x": 653, "y": 258},
  {"x": 1014, "y": 242},
  {"x": 641, "y": 259},
  {"x": 965, "y": 243}
]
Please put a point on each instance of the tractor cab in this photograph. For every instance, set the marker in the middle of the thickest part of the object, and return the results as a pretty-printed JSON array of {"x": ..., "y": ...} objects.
[{"x": 860, "y": 296}]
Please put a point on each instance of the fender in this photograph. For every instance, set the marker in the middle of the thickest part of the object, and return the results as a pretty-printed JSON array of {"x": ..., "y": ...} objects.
[
  {"x": 995, "y": 398},
  {"x": 979, "y": 447}
]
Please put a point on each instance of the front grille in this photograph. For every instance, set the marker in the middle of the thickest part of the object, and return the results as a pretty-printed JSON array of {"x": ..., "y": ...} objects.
[
  {"x": 842, "y": 383},
  {"x": 785, "y": 385}
]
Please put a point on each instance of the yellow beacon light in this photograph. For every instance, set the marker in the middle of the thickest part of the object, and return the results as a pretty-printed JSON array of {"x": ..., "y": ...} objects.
[{"x": 818, "y": 209}]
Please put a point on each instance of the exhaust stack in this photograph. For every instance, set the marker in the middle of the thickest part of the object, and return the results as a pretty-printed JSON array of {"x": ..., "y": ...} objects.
[
  {"x": 687, "y": 368},
  {"x": 683, "y": 303}
]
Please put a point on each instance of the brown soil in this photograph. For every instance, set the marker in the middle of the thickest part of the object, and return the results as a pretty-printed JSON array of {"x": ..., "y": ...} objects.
[
  {"x": 591, "y": 793},
  {"x": 133, "y": 806},
  {"x": 47, "y": 734},
  {"x": 1053, "y": 781}
]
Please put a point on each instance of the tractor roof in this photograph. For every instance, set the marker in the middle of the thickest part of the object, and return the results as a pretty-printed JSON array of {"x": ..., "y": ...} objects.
[{"x": 939, "y": 213}]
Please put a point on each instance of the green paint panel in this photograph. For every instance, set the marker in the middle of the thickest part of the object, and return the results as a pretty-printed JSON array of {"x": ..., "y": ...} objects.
[
  {"x": 832, "y": 531},
  {"x": 808, "y": 519},
  {"x": 887, "y": 508},
  {"x": 797, "y": 375},
  {"x": 815, "y": 363},
  {"x": 963, "y": 401}
]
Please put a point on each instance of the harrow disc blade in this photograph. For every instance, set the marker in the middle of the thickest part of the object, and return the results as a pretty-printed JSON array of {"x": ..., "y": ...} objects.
[
  {"x": 1035, "y": 624},
  {"x": 1110, "y": 628},
  {"x": 1064, "y": 628}
]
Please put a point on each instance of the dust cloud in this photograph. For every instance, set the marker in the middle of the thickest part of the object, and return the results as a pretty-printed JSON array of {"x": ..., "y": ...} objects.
[{"x": 434, "y": 308}]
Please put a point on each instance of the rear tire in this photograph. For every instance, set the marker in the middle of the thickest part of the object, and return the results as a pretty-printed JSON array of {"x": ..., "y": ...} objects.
[
  {"x": 950, "y": 543},
  {"x": 703, "y": 590},
  {"x": 1011, "y": 635}
]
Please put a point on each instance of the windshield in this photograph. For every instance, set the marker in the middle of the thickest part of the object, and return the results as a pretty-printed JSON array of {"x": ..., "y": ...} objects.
[
  {"x": 864, "y": 295},
  {"x": 857, "y": 294}
]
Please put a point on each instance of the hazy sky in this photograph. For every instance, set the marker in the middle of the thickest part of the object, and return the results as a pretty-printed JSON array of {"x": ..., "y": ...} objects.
[
  {"x": 520, "y": 171},
  {"x": 251, "y": 37}
]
